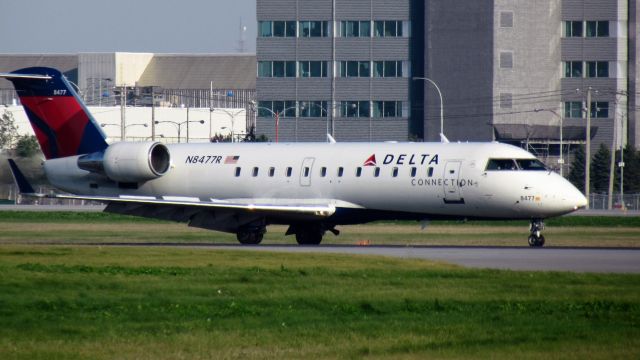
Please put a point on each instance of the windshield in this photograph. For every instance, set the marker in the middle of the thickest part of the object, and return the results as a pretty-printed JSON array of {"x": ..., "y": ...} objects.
[
  {"x": 515, "y": 164},
  {"x": 531, "y": 164}
]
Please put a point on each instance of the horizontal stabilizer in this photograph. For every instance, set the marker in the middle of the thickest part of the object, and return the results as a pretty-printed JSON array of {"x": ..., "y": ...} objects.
[{"x": 20, "y": 179}]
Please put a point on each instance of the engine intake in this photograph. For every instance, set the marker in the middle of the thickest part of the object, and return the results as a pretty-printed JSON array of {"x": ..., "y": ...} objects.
[{"x": 129, "y": 161}]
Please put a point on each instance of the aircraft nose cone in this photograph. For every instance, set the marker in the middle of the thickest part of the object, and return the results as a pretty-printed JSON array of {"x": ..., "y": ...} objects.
[{"x": 575, "y": 198}]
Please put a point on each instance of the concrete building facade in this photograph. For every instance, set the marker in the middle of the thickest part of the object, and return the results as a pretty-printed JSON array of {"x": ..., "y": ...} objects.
[{"x": 340, "y": 67}]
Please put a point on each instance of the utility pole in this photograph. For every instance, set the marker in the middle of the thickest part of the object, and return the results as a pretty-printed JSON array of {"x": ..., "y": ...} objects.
[
  {"x": 587, "y": 151},
  {"x": 123, "y": 122},
  {"x": 187, "y": 124},
  {"x": 211, "y": 107},
  {"x": 153, "y": 114},
  {"x": 612, "y": 161}
]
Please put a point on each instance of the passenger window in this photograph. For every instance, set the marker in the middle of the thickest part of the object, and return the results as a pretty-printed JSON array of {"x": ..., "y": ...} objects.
[
  {"x": 272, "y": 171},
  {"x": 395, "y": 172},
  {"x": 358, "y": 171},
  {"x": 530, "y": 165},
  {"x": 306, "y": 171},
  {"x": 323, "y": 171},
  {"x": 430, "y": 172},
  {"x": 376, "y": 172},
  {"x": 255, "y": 171},
  {"x": 501, "y": 165},
  {"x": 289, "y": 171},
  {"x": 237, "y": 171},
  {"x": 340, "y": 171},
  {"x": 413, "y": 172}
]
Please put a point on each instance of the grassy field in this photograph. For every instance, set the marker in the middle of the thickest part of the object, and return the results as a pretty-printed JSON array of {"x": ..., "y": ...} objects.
[
  {"x": 73, "y": 302},
  {"x": 73, "y": 227}
]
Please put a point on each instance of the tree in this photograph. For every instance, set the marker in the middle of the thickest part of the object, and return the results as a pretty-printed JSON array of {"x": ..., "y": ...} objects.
[
  {"x": 631, "y": 170},
  {"x": 27, "y": 146},
  {"x": 600, "y": 170},
  {"x": 576, "y": 174},
  {"x": 8, "y": 130}
]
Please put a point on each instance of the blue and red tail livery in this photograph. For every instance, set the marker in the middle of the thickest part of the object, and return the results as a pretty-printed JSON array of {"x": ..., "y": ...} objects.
[{"x": 63, "y": 125}]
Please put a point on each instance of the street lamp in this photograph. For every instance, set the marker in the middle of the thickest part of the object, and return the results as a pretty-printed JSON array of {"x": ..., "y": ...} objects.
[
  {"x": 275, "y": 114},
  {"x": 441, "y": 105},
  {"x": 561, "y": 160},
  {"x": 232, "y": 115},
  {"x": 178, "y": 126}
]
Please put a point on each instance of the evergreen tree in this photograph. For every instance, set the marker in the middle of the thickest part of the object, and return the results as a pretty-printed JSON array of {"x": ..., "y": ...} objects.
[
  {"x": 576, "y": 174},
  {"x": 631, "y": 170},
  {"x": 8, "y": 130},
  {"x": 600, "y": 170}
]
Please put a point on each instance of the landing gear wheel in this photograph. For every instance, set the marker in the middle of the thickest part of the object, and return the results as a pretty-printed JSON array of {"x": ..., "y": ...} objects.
[
  {"x": 249, "y": 237},
  {"x": 311, "y": 235},
  {"x": 536, "y": 239}
]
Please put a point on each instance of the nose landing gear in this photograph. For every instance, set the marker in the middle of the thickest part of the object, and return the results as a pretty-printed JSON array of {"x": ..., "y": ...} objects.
[{"x": 536, "y": 239}]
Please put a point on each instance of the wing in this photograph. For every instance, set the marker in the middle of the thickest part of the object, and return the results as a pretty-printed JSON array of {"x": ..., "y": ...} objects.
[{"x": 215, "y": 214}]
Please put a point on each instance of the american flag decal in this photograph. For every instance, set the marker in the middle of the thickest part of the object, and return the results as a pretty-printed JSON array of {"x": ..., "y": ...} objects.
[{"x": 232, "y": 159}]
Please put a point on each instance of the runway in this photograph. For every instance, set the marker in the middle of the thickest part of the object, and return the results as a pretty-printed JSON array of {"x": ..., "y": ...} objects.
[{"x": 596, "y": 260}]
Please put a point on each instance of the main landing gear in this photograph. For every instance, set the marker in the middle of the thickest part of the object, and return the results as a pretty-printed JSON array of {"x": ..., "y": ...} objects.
[
  {"x": 309, "y": 233},
  {"x": 251, "y": 235},
  {"x": 536, "y": 239}
]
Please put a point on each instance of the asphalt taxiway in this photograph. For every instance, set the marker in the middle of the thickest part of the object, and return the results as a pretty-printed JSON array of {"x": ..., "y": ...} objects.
[{"x": 597, "y": 260}]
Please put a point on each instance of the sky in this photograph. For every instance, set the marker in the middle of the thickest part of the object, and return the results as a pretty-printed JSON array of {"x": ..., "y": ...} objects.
[{"x": 178, "y": 26}]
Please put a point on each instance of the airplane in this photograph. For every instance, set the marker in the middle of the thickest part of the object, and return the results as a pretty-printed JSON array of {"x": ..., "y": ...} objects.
[{"x": 242, "y": 188}]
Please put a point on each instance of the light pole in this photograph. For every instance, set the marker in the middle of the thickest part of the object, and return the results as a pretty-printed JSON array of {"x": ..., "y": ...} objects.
[
  {"x": 561, "y": 159},
  {"x": 275, "y": 114},
  {"x": 232, "y": 115},
  {"x": 178, "y": 126},
  {"x": 441, "y": 102}
]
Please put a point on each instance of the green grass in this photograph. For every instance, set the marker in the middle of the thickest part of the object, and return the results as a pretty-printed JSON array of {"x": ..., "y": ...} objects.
[{"x": 163, "y": 303}]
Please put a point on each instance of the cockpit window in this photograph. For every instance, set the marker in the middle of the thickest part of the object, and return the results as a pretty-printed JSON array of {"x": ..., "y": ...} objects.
[
  {"x": 501, "y": 165},
  {"x": 531, "y": 164}
]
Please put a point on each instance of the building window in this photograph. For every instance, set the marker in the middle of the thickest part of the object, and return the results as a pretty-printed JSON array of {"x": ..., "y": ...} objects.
[
  {"x": 506, "y": 19},
  {"x": 387, "y": 28},
  {"x": 355, "y": 69},
  {"x": 355, "y": 109},
  {"x": 506, "y": 60},
  {"x": 573, "y": 69},
  {"x": 276, "y": 69},
  {"x": 312, "y": 108},
  {"x": 597, "y": 28},
  {"x": 355, "y": 29},
  {"x": 276, "y": 28},
  {"x": 599, "y": 109},
  {"x": 573, "y": 28},
  {"x": 387, "y": 109},
  {"x": 313, "y": 29},
  {"x": 313, "y": 69},
  {"x": 573, "y": 109},
  {"x": 283, "y": 108},
  {"x": 506, "y": 100},
  {"x": 597, "y": 69},
  {"x": 387, "y": 68}
]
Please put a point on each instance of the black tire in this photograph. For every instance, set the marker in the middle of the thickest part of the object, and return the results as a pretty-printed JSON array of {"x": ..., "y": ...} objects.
[
  {"x": 249, "y": 237},
  {"x": 541, "y": 241},
  {"x": 536, "y": 241},
  {"x": 310, "y": 236}
]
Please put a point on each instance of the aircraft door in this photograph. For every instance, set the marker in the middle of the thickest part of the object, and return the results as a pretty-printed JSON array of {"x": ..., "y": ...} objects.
[
  {"x": 450, "y": 183},
  {"x": 305, "y": 171}
]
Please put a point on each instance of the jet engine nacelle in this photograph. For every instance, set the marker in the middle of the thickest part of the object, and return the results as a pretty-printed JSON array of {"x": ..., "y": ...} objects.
[{"x": 129, "y": 161}]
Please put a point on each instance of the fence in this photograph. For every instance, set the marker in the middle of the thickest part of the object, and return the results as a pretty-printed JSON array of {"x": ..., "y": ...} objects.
[{"x": 600, "y": 201}]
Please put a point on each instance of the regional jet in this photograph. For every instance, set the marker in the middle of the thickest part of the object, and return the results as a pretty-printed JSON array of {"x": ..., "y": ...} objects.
[{"x": 242, "y": 188}]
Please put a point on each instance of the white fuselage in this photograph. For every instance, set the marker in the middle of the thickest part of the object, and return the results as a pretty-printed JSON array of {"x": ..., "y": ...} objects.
[{"x": 428, "y": 180}]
